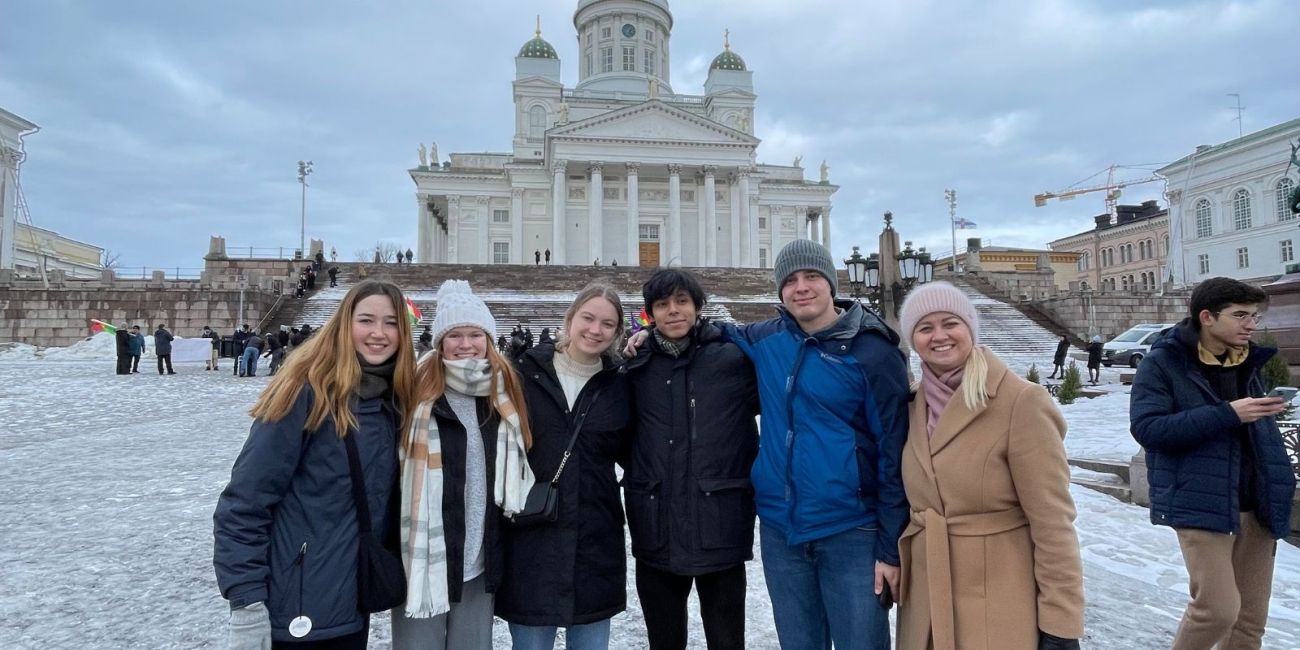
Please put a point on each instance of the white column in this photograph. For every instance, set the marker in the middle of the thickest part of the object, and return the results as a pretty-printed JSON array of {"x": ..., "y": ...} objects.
[
  {"x": 633, "y": 214},
  {"x": 746, "y": 231},
  {"x": 453, "y": 224},
  {"x": 801, "y": 222},
  {"x": 517, "y": 225},
  {"x": 826, "y": 227},
  {"x": 710, "y": 216},
  {"x": 756, "y": 236},
  {"x": 484, "y": 227},
  {"x": 423, "y": 231},
  {"x": 674, "y": 253},
  {"x": 596, "y": 212},
  {"x": 774, "y": 222},
  {"x": 700, "y": 225},
  {"x": 559, "y": 219},
  {"x": 735, "y": 221},
  {"x": 9, "y": 158}
]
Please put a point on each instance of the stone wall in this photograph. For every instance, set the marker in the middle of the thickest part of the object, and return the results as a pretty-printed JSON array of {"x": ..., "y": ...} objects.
[{"x": 1109, "y": 314}]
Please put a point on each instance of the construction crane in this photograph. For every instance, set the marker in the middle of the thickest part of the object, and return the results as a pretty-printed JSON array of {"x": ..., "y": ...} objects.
[{"x": 1111, "y": 187}]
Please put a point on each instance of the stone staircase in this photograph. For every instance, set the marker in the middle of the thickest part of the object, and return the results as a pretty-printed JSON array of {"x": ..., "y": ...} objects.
[
  {"x": 1013, "y": 336},
  {"x": 1111, "y": 477}
]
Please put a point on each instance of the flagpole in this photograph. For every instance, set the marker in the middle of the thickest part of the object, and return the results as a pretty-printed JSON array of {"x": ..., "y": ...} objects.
[{"x": 951, "y": 196}]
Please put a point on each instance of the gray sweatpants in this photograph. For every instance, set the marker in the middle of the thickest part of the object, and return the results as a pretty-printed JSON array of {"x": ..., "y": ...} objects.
[{"x": 468, "y": 626}]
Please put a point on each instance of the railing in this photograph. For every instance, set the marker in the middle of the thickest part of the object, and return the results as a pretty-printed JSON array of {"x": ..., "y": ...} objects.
[
  {"x": 264, "y": 252},
  {"x": 1291, "y": 441},
  {"x": 146, "y": 272}
]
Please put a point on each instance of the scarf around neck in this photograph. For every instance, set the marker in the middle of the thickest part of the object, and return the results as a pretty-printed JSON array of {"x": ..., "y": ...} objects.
[
  {"x": 938, "y": 390},
  {"x": 376, "y": 379},
  {"x": 423, "y": 553}
]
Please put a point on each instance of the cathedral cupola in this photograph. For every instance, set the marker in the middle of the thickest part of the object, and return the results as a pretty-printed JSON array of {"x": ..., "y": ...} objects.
[
  {"x": 728, "y": 60},
  {"x": 538, "y": 48}
]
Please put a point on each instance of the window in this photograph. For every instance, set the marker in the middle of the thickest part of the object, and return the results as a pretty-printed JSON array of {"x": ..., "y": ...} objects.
[
  {"x": 607, "y": 58},
  {"x": 587, "y": 57},
  {"x": 629, "y": 59},
  {"x": 1283, "y": 190},
  {"x": 649, "y": 35},
  {"x": 1241, "y": 210},
  {"x": 648, "y": 231},
  {"x": 1124, "y": 255},
  {"x": 1129, "y": 247},
  {"x": 536, "y": 122},
  {"x": 762, "y": 257},
  {"x": 1203, "y": 263},
  {"x": 589, "y": 36},
  {"x": 1083, "y": 261},
  {"x": 1204, "y": 227},
  {"x": 605, "y": 32},
  {"x": 1288, "y": 253},
  {"x": 1243, "y": 258},
  {"x": 1124, "y": 283},
  {"x": 500, "y": 250},
  {"x": 500, "y": 216},
  {"x": 762, "y": 223},
  {"x": 1146, "y": 282},
  {"x": 650, "y": 61}
]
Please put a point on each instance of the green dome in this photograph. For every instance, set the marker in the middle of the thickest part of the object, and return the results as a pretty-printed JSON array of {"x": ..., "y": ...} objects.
[
  {"x": 538, "y": 48},
  {"x": 728, "y": 60}
]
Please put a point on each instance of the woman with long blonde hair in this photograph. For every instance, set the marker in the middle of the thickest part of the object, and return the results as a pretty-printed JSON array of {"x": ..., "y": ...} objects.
[
  {"x": 286, "y": 526},
  {"x": 464, "y": 466}
]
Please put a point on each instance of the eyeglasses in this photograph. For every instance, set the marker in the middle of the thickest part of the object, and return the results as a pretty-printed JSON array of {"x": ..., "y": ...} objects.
[{"x": 1243, "y": 317}]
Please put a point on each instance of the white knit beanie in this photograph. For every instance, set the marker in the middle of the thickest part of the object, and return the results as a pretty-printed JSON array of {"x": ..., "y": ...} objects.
[
  {"x": 933, "y": 297},
  {"x": 458, "y": 307}
]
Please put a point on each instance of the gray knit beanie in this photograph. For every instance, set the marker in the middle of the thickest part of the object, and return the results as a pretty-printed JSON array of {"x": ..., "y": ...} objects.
[{"x": 805, "y": 255}]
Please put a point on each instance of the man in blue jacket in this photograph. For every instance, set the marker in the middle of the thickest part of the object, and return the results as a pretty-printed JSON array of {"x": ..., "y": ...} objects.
[
  {"x": 1218, "y": 471},
  {"x": 829, "y": 494}
]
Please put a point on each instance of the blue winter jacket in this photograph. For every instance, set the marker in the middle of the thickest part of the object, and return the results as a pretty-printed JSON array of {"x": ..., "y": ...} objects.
[
  {"x": 137, "y": 345},
  {"x": 834, "y": 421},
  {"x": 286, "y": 526},
  {"x": 1193, "y": 442}
]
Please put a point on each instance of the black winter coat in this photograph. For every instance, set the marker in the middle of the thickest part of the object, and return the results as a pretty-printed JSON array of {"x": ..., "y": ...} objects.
[
  {"x": 690, "y": 504},
  {"x": 1062, "y": 349},
  {"x": 1094, "y": 354},
  {"x": 573, "y": 571},
  {"x": 162, "y": 341},
  {"x": 451, "y": 435},
  {"x": 286, "y": 525},
  {"x": 122, "y": 341}
]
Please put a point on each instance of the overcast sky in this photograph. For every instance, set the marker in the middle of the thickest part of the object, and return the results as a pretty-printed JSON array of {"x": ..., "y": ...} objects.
[{"x": 164, "y": 122}]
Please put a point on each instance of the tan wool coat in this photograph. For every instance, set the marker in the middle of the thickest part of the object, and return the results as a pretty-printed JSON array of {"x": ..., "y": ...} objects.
[{"x": 991, "y": 555}]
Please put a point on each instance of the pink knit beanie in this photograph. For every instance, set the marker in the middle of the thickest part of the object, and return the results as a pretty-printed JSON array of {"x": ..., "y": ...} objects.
[{"x": 936, "y": 296}]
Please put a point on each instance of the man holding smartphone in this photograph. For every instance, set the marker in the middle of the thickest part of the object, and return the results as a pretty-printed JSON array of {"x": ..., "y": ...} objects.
[{"x": 1218, "y": 471}]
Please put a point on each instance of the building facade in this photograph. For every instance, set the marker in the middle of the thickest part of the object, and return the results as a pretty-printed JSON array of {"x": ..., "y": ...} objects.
[
  {"x": 620, "y": 168},
  {"x": 1127, "y": 253},
  {"x": 37, "y": 249},
  {"x": 1228, "y": 208},
  {"x": 12, "y": 130}
]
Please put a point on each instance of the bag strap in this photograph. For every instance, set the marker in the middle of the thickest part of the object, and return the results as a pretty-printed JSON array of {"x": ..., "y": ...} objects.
[
  {"x": 577, "y": 428},
  {"x": 358, "y": 485}
]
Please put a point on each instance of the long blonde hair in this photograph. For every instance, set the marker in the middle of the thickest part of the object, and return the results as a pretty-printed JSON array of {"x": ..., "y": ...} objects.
[
  {"x": 589, "y": 292},
  {"x": 431, "y": 383},
  {"x": 328, "y": 363}
]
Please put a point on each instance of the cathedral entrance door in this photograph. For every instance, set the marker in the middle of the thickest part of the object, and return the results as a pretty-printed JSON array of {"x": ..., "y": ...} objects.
[{"x": 649, "y": 253}]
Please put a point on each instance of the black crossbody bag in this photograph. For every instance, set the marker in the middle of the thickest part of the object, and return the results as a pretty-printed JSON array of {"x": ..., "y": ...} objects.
[
  {"x": 381, "y": 579},
  {"x": 543, "y": 503}
]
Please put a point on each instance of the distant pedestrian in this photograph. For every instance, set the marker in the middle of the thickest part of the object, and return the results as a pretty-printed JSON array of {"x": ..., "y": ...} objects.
[
  {"x": 545, "y": 337},
  {"x": 528, "y": 339},
  {"x": 503, "y": 346},
  {"x": 334, "y": 276},
  {"x": 306, "y": 331},
  {"x": 137, "y": 348},
  {"x": 296, "y": 338},
  {"x": 162, "y": 346},
  {"x": 252, "y": 350},
  {"x": 410, "y": 257},
  {"x": 1058, "y": 361},
  {"x": 274, "y": 350},
  {"x": 547, "y": 254},
  {"x": 284, "y": 338},
  {"x": 216, "y": 347},
  {"x": 320, "y": 260},
  {"x": 379, "y": 259},
  {"x": 334, "y": 254},
  {"x": 238, "y": 349},
  {"x": 426, "y": 340},
  {"x": 537, "y": 257},
  {"x": 122, "y": 339},
  {"x": 1094, "y": 360},
  {"x": 311, "y": 279}
]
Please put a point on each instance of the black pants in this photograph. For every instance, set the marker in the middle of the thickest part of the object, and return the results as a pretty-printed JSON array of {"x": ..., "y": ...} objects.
[
  {"x": 167, "y": 358},
  {"x": 123, "y": 364},
  {"x": 354, "y": 641},
  {"x": 663, "y": 603},
  {"x": 135, "y": 363}
]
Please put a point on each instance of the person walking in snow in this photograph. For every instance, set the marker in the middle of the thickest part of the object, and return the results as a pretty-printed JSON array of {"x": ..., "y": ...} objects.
[
  {"x": 334, "y": 276},
  {"x": 572, "y": 572},
  {"x": 216, "y": 347},
  {"x": 285, "y": 527},
  {"x": 471, "y": 415},
  {"x": 1218, "y": 469},
  {"x": 1058, "y": 361},
  {"x": 137, "y": 348},
  {"x": 162, "y": 347},
  {"x": 274, "y": 350},
  {"x": 1094, "y": 360},
  {"x": 988, "y": 486}
]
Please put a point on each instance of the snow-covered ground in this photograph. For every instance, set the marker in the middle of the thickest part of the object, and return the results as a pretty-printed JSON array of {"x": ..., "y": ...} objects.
[{"x": 109, "y": 483}]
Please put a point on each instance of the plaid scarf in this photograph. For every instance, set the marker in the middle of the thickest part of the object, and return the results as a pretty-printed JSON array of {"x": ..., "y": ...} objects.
[
  {"x": 424, "y": 544},
  {"x": 673, "y": 349}
]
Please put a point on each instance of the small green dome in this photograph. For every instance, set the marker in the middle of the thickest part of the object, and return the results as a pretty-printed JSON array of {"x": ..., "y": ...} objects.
[
  {"x": 728, "y": 60},
  {"x": 538, "y": 48}
]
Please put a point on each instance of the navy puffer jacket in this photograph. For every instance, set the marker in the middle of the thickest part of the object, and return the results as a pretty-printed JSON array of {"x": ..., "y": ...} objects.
[
  {"x": 1193, "y": 444},
  {"x": 286, "y": 525}
]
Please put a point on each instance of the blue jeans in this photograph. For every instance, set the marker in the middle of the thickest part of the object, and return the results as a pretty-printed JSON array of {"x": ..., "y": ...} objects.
[
  {"x": 250, "y": 362},
  {"x": 824, "y": 590},
  {"x": 592, "y": 636}
]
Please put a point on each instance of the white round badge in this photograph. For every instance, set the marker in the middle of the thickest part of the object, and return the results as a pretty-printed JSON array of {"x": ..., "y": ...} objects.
[{"x": 299, "y": 627}]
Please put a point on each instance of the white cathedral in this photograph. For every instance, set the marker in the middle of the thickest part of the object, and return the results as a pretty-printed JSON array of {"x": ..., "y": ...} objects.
[{"x": 620, "y": 169}]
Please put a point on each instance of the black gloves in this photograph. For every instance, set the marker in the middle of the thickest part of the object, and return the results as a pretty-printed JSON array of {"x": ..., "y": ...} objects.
[{"x": 1049, "y": 642}]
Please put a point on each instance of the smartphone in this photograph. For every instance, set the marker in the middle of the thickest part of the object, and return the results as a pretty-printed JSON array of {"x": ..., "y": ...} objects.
[
  {"x": 1287, "y": 393},
  {"x": 885, "y": 597}
]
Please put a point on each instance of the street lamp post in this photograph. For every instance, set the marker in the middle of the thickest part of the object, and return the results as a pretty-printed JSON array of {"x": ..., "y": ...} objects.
[
  {"x": 884, "y": 288},
  {"x": 304, "y": 168}
]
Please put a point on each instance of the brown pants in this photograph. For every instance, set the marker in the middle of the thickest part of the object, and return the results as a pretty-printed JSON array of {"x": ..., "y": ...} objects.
[{"x": 1231, "y": 581}]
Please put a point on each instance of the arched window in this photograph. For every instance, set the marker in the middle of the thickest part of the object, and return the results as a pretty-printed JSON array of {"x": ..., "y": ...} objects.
[
  {"x": 1241, "y": 210},
  {"x": 1130, "y": 252},
  {"x": 1204, "y": 226},
  {"x": 536, "y": 122},
  {"x": 1283, "y": 190},
  {"x": 1083, "y": 261}
]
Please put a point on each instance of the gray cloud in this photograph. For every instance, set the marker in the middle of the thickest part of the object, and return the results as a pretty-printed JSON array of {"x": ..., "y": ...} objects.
[{"x": 165, "y": 122}]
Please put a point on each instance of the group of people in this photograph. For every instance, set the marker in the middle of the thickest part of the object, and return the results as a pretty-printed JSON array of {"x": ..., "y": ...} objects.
[
  {"x": 494, "y": 480},
  {"x": 130, "y": 345},
  {"x": 249, "y": 347}
]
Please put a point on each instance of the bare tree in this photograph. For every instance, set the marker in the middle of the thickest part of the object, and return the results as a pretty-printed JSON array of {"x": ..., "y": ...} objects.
[
  {"x": 110, "y": 259},
  {"x": 363, "y": 255},
  {"x": 388, "y": 251}
]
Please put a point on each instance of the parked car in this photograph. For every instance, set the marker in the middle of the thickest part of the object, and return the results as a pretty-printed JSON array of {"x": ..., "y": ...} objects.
[{"x": 1129, "y": 348}]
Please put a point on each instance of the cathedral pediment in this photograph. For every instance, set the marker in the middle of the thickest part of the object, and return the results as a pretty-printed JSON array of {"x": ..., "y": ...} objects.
[{"x": 652, "y": 121}]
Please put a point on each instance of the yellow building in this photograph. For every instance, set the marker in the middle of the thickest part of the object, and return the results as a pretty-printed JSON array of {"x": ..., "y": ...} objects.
[
  {"x": 1004, "y": 259},
  {"x": 36, "y": 247}
]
